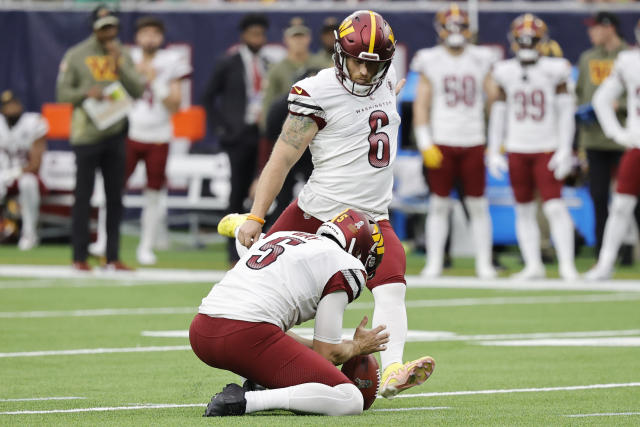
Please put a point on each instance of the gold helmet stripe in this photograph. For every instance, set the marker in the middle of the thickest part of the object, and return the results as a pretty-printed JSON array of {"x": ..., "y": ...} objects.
[{"x": 372, "y": 38}]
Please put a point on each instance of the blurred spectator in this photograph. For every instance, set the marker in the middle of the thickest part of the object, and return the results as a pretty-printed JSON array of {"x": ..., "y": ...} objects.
[
  {"x": 86, "y": 70},
  {"x": 22, "y": 143},
  {"x": 235, "y": 117},
  {"x": 281, "y": 76},
  {"x": 603, "y": 154},
  {"x": 324, "y": 56}
]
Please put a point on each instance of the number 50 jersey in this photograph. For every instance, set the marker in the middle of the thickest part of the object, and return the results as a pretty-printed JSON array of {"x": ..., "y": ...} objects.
[
  {"x": 354, "y": 149},
  {"x": 282, "y": 278},
  {"x": 532, "y": 125}
]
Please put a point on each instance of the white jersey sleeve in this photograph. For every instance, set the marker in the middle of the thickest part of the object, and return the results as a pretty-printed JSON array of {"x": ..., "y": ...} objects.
[
  {"x": 353, "y": 151},
  {"x": 282, "y": 279},
  {"x": 625, "y": 77},
  {"x": 606, "y": 94}
]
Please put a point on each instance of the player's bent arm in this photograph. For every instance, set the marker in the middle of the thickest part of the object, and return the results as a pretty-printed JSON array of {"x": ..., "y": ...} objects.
[
  {"x": 297, "y": 133},
  {"x": 172, "y": 101},
  {"x": 603, "y": 104},
  {"x": 38, "y": 148},
  {"x": 328, "y": 331},
  {"x": 421, "y": 113}
]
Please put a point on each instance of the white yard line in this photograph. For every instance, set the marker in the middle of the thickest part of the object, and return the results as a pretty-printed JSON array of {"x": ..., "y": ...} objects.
[
  {"x": 434, "y": 336},
  {"x": 95, "y": 351},
  {"x": 107, "y": 408},
  {"x": 447, "y": 302},
  {"x": 568, "y": 342},
  {"x": 418, "y": 408},
  {"x": 520, "y": 390},
  {"x": 97, "y": 312},
  {"x": 30, "y": 399},
  {"x": 141, "y": 276},
  {"x": 610, "y": 414}
]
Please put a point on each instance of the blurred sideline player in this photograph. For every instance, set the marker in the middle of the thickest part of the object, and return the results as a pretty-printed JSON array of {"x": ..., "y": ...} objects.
[
  {"x": 22, "y": 144},
  {"x": 347, "y": 116},
  {"x": 533, "y": 116},
  {"x": 625, "y": 76},
  {"x": 150, "y": 129},
  {"x": 283, "y": 280},
  {"x": 448, "y": 118}
]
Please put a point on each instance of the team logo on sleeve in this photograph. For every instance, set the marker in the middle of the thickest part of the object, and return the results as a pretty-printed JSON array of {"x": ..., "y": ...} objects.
[{"x": 297, "y": 90}]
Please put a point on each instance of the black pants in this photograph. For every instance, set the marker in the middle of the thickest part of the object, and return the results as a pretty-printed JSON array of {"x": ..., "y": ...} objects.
[
  {"x": 109, "y": 156},
  {"x": 243, "y": 157},
  {"x": 602, "y": 166}
]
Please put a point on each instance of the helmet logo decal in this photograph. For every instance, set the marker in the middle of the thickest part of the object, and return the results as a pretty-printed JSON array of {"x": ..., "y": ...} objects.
[
  {"x": 359, "y": 224},
  {"x": 346, "y": 28},
  {"x": 372, "y": 38}
]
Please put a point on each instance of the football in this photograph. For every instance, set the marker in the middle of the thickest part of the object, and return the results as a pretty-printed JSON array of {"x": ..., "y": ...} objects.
[{"x": 365, "y": 374}]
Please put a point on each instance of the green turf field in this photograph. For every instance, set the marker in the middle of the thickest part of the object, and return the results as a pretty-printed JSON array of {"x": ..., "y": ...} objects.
[{"x": 494, "y": 362}]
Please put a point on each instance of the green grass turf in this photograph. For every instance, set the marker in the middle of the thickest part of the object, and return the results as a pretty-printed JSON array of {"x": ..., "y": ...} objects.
[{"x": 178, "y": 377}]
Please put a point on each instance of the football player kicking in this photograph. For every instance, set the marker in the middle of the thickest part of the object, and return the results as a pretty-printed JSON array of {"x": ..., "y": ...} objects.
[
  {"x": 448, "y": 120},
  {"x": 285, "y": 279},
  {"x": 538, "y": 109},
  {"x": 624, "y": 77},
  {"x": 347, "y": 117},
  {"x": 22, "y": 144}
]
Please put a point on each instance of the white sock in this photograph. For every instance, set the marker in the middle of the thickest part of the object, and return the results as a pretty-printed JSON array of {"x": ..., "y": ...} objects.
[
  {"x": 310, "y": 398},
  {"x": 482, "y": 230},
  {"x": 390, "y": 310},
  {"x": 149, "y": 219},
  {"x": 562, "y": 234},
  {"x": 29, "y": 199},
  {"x": 161, "y": 240},
  {"x": 437, "y": 229},
  {"x": 528, "y": 234},
  {"x": 620, "y": 215}
]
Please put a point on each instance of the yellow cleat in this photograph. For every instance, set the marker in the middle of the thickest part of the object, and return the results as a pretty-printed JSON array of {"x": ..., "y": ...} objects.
[
  {"x": 227, "y": 225},
  {"x": 398, "y": 377},
  {"x": 432, "y": 157}
]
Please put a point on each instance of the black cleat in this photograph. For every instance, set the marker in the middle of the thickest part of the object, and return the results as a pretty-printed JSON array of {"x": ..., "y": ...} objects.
[
  {"x": 230, "y": 401},
  {"x": 249, "y": 385}
]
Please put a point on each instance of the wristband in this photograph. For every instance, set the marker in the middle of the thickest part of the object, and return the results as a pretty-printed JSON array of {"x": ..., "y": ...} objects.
[{"x": 255, "y": 218}]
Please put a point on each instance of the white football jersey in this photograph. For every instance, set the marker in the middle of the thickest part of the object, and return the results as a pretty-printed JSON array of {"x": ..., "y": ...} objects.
[
  {"x": 149, "y": 120},
  {"x": 15, "y": 142},
  {"x": 457, "y": 107},
  {"x": 282, "y": 278},
  {"x": 354, "y": 150},
  {"x": 532, "y": 125}
]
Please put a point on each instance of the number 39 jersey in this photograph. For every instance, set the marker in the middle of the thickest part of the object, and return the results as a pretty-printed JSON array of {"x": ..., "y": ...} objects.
[
  {"x": 531, "y": 91},
  {"x": 354, "y": 149},
  {"x": 282, "y": 278},
  {"x": 457, "y": 107}
]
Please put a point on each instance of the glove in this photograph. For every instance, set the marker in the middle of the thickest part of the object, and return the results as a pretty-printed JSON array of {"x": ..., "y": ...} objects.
[
  {"x": 585, "y": 114},
  {"x": 497, "y": 165},
  {"x": 7, "y": 176},
  {"x": 432, "y": 157},
  {"x": 625, "y": 138},
  {"x": 561, "y": 164}
]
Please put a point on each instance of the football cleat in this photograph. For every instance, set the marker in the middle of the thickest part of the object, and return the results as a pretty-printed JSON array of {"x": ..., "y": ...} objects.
[
  {"x": 530, "y": 273},
  {"x": 398, "y": 377},
  {"x": 229, "y": 402},
  {"x": 228, "y": 224},
  {"x": 598, "y": 273}
]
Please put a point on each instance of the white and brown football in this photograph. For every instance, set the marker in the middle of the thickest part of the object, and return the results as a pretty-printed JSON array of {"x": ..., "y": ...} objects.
[{"x": 365, "y": 374}]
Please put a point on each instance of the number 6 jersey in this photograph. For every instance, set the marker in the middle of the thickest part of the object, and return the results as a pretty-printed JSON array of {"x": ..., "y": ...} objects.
[
  {"x": 282, "y": 278},
  {"x": 354, "y": 149},
  {"x": 532, "y": 125}
]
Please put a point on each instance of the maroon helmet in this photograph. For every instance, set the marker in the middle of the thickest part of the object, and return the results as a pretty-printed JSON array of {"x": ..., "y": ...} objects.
[
  {"x": 364, "y": 35},
  {"x": 359, "y": 235}
]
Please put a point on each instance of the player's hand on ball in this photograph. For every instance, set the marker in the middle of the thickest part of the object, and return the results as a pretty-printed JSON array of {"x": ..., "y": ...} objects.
[
  {"x": 370, "y": 340},
  {"x": 249, "y": 232}
]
